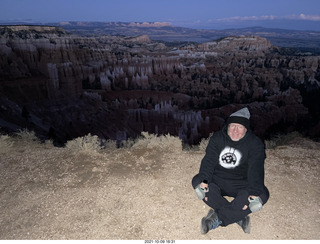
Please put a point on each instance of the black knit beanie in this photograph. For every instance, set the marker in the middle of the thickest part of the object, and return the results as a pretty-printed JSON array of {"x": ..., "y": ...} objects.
[{"x": 241, "y": 116}]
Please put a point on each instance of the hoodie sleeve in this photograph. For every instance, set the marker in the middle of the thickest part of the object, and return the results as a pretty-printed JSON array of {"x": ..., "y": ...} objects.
[
  {"x": 210, "y": 160},
  {"x": 256, "y": 168}
]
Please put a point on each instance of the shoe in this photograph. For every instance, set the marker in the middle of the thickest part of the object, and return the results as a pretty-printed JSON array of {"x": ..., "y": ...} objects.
[
  {"x": 203, "y": 227},
  {"x": 210, "y": 213},
  {"x": 210, "y": 222},
  {"x": 245, "y": 224}
]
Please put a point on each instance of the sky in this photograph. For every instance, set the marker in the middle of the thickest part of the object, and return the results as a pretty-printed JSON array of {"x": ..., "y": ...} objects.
[{"x": 207, "y": 14}]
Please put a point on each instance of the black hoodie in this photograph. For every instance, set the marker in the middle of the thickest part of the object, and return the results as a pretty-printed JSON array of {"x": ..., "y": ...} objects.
[{"x": 241, "y": 160}]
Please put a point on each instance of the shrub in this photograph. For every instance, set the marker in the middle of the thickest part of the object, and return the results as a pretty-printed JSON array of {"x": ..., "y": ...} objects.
[
  {"x": 109, "y": 144},
  {"x": 5, "y": 143},
  {"x": 127, "y": 143},
  {"x": 204, "y": 143},
  {"x": 279, "y": 140},
  {"x": 85, "y": 143},
  {"x": 167, "y": 142},
  {"x": 27, "y": 136}
]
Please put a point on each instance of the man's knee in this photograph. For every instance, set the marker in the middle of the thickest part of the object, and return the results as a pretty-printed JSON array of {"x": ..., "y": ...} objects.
[
  {"x": 195, "y": 181},
  {"x": 265, "y": 196}
]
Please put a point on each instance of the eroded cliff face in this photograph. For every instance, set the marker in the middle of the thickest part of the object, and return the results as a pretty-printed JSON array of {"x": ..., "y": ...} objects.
[{"x": 64, "y": 86}]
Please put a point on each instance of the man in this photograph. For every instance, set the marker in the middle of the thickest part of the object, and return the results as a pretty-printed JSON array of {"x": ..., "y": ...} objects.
[{"x": 232, "y": 166}]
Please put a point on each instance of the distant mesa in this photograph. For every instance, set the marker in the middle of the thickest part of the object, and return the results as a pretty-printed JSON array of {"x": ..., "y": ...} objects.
[
  {"x": 64, "y": 23},
  {"x": 140, "y": 39},
  {"x": 33, "y": 28}
]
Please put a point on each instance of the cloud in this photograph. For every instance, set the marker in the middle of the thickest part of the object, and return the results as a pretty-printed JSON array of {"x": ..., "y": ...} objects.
[
  {"x": 296, "y": 21},
  {"x": 271, "y": 17},
  {"x": 245, "y": 18},
  {"x": 307, "y": 17}
]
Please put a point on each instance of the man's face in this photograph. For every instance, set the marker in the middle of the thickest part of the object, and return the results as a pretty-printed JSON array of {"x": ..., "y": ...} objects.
[{"x": 236, "y": 131}]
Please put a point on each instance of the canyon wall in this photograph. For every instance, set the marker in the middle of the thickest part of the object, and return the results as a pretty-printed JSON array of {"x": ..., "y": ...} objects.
[{"x": 64, "y": 86}]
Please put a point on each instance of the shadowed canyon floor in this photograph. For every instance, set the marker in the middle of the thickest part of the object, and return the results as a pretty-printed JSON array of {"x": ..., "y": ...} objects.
[
  {"x": 145, "y": 192},
  {"x": 63, "y": 86}
]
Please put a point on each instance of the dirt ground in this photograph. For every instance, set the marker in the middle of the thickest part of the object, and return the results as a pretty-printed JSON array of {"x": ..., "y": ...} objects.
[{"x": 145, "y": 193}]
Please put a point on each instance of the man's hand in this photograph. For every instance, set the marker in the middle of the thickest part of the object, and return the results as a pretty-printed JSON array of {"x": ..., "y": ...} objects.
[
  {"x": 205, "y": 187},
  {"x": 246, "y": 206}
]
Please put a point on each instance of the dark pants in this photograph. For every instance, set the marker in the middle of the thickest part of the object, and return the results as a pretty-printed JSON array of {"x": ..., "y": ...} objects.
[{"x": 228, "y": 212}]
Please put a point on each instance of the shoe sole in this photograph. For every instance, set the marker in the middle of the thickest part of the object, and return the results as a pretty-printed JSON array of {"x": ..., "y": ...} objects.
[{"x": 203, "y": 228}]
